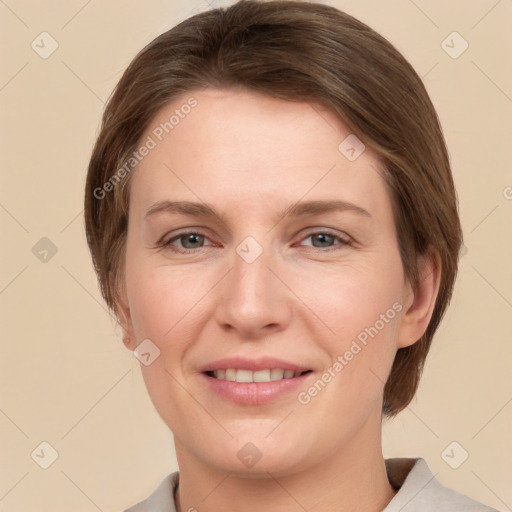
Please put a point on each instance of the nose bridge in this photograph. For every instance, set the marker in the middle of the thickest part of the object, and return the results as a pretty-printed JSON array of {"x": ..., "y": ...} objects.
[
  {"x": 251, "y": 277},
  {"x": 254, "y": 298}
]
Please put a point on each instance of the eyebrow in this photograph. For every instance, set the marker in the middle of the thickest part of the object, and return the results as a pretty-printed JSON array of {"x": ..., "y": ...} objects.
[{"x": 295, "y": 210}]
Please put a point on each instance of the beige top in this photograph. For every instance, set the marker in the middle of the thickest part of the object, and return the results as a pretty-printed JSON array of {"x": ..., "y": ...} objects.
[{"x": 418, "y": 491}]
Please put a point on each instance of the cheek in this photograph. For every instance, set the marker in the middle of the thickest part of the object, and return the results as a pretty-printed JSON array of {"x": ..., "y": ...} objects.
[
  {"x": 163, "y": 306},
  {"x": 161, "y": 300},
  {"x": 348, "y": 298},
  {"x": 356, "y": 316},
  {"x": 168, "y": 307}
]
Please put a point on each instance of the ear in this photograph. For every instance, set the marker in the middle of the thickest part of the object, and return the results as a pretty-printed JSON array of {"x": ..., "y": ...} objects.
[
  {"x": 122, "y": 311},
  {"x": 418, "y": 304}
]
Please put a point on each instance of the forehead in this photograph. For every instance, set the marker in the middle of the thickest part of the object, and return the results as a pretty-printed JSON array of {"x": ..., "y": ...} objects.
[{"x": 241, "y": 148}]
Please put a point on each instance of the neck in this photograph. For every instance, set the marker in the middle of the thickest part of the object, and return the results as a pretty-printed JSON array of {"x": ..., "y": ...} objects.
[{"x": 352, "y": 478}]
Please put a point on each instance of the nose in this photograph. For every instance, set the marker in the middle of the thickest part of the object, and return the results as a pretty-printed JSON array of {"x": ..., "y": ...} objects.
[{"x": 254, "y": 301}]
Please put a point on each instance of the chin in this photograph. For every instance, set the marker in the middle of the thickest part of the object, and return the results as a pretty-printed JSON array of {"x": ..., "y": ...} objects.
[
  {"x": 258, "y": 458},
  {"x": 275, "y": 465}
]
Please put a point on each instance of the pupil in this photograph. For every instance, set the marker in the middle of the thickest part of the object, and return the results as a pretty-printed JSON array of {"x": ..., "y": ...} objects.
[
  {"x": 191, "y": 239},
  {"x": 323, "y": 238}
]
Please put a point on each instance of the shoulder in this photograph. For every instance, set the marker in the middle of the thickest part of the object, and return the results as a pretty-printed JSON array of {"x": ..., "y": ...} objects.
[
  {"x": 420, "y": 491},
  {"x": 161, "y": 499}
]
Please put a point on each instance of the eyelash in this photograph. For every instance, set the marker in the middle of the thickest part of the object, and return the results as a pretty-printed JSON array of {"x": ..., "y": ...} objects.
[{"x": 168, "y": 243}]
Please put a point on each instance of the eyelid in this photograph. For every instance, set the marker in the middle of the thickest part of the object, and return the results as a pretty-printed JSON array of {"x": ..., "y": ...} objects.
[
  {"x": 326, "y": 231},
  {"x": 344, "y": 239},
  {"x": 177, "y": 236}
]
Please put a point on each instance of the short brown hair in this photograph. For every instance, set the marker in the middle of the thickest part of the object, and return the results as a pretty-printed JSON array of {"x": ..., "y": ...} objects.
[{"x": 296, "y": 51}]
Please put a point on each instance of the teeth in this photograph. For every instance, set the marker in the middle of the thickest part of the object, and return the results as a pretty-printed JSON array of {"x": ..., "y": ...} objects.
[
  {"x": 261, "y": 376},
  {"x": 269, "y": 375},
  {"x": 244, "y": 376},
  {"x": 230, "y": 374},
  {"x": 276, "y": 374}
]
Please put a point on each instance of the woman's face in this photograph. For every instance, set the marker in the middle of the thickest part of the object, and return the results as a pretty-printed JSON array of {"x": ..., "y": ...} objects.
[{"x": 281, "y": 254}]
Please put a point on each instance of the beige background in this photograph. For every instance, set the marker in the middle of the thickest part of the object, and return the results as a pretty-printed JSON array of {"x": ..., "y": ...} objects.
[{"x": 66, "y": 378}]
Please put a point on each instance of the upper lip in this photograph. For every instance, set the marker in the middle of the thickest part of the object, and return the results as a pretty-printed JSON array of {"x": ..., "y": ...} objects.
[{"x": 253, "y": 364}]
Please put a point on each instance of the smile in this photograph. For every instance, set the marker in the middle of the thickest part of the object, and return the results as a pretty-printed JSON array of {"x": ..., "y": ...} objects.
[
  {"x": 241, "y": 375},
  {"x": 246, "y": 387}
]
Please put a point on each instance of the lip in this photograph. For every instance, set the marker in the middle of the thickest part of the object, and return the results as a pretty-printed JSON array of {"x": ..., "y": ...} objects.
[
  {"x": 254, "y": 393},
  {"x": 253, "y": 364}
]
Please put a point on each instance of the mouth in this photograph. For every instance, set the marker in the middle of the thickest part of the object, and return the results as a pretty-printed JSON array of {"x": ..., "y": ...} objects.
[
  {"x": 259, "y": 376},
  {"x": 254, "y": 380},
  {"x": 254, "y": 388}
]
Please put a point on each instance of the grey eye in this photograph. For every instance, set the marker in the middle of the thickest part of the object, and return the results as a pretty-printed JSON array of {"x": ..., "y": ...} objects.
[
  {"x": 324, "y": 239},
  {"x": 191, "y": 240}
]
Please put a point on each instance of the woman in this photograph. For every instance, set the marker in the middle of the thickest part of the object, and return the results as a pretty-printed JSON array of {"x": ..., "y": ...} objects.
[{"x": 272, "y": 217}]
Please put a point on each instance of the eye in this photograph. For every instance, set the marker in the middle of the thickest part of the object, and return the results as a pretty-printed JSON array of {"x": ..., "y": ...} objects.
[
  {"x": 326, "y": 239},
  {"x": 188, "y": 241}
]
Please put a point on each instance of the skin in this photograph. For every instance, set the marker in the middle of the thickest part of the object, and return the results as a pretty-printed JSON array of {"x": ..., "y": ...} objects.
[{"x": 304, "y": 299}]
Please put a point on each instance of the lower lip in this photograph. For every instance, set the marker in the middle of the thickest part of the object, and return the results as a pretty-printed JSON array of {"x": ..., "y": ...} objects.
[{"x": 254, "y": 393}]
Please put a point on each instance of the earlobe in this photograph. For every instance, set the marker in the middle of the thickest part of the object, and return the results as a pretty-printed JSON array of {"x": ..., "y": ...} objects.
[
  {"x": 419, "y": 303},
  {"x": 123, "y": 318},
  {"x": 122, "y": 312}
]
